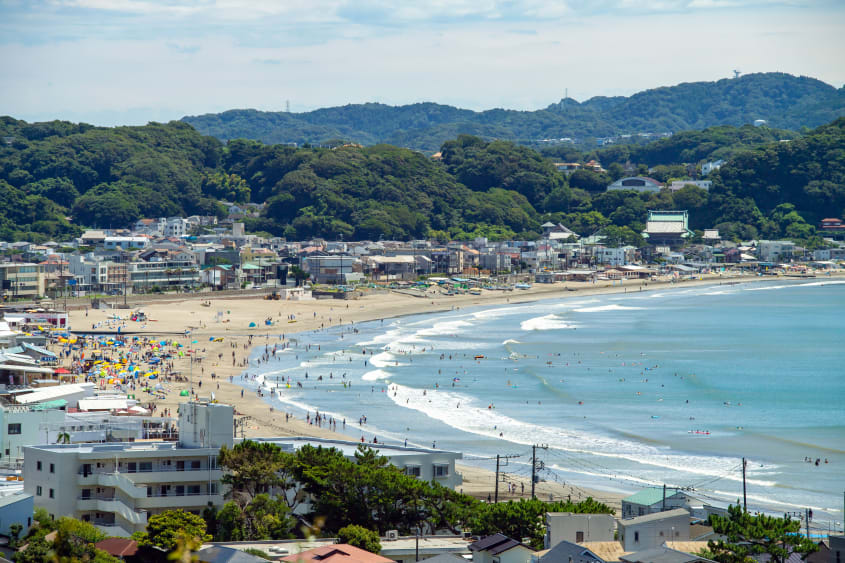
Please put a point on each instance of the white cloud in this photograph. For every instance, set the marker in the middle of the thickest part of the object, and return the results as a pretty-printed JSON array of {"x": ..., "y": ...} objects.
[{"x": 256, "y": 53}]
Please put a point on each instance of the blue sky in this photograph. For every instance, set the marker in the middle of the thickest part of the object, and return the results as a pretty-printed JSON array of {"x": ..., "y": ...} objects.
[{"x": 131, "y": 61}]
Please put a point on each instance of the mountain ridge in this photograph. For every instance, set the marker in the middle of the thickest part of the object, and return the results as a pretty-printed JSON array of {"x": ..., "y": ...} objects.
[{"x": 784, "y": 100}]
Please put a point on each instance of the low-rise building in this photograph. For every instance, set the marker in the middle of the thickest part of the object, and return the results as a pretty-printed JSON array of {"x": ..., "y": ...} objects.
[
  {"x": 653, "y": 499},
  {"x": 578, "y": 528},
  {"x": 499, "y": 548},
  {"x": 652, "y": 530},
  {"x": 21, "y": 280}
]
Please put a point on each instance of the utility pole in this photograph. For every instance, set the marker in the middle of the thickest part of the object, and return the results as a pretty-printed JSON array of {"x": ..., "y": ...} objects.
[
  {"x": 807, "y": 520},
  {"x": 534, "y": 466},
  {"x": 663, "y": 504},
  {"x": 498, "y": 458},
  {"x": 744, "y": 497}
]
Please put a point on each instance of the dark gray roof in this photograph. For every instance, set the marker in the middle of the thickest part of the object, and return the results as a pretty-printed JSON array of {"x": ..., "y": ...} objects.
[
  {"x": 495, "y": 544},
  {"x": 565, "y": 551},
  {"x": 662, "y": 555},
  {"x": 220, "y": 554}
]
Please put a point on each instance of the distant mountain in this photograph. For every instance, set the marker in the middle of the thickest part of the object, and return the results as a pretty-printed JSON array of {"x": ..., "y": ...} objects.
[{"x": 783, "y": 100}]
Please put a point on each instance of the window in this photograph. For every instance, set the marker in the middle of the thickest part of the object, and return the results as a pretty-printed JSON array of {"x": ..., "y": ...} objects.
[
  {"x": 212, "y": 488},
  {"x": 413, "y": 470},
  {"x": 52, "y": 468},
  {"x": 38, "y": 465},
  {"x": 441, "y": 470},
  {"x": 195, "y": 464},
  {"x": 636, "y": 537},
  {"x": 180, "y": 490},
  {"x": 180, "y": 465},
  {"x": 15, "y": 428},
  {"x": 132, "y": 467},
  {"x": 579, "y": 536},
  {"x": 193, "y": 489},
  {"x": 52, "y": 493},
  {"x": 145, "y": 466},
  {"x": 86, "y": 493},
  {"x": 38, "y": 491}
]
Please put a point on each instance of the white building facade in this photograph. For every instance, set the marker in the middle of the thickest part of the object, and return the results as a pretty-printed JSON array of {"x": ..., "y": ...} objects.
[{"x": 117, "y": 486}]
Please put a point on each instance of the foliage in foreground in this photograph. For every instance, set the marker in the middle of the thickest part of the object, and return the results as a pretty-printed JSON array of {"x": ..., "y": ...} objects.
[{"x": 750, "y": 535}]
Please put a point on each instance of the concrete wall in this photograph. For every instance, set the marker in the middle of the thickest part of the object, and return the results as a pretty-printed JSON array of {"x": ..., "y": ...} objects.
[
  {"x": 636, "y": 536},
  {"x": 16, "y": 509},
  {"x": 565, "y": 526}
]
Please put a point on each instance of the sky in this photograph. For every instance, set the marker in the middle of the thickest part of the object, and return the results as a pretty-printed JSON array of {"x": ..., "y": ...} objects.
[{"x": 127, "y": 62}]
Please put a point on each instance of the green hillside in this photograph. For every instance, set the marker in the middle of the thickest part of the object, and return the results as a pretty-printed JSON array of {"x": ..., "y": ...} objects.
[
  {"x": 785, "y": 101},
  {"x": 57, "y": 178}
]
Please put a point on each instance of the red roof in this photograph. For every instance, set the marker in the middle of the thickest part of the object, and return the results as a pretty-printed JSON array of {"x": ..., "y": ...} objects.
[
  {"x": 338, "y": 553},
  {"x": 118, "y": 547}
]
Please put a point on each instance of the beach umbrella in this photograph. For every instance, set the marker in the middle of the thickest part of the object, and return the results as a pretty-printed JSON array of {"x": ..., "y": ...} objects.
[
  {"x": 252, "y": 325},
  {"x": 183, "y": 393}
]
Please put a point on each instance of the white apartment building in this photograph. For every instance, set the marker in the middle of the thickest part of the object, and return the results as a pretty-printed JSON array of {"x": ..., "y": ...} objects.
[{"x": 117, "y": 486}]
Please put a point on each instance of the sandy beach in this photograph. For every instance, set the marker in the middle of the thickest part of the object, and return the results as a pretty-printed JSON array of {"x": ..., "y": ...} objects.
[{"x": 208, "y": 318}]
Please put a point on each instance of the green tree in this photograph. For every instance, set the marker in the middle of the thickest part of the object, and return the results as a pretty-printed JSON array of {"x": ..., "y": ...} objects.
[
  {"x": 165, "y": 529},
  {"x": 524, "y": 518},
  {"x": 361, "y": 537},
  {"x": 253, "y": 467},
  {"x": 749, "y": 535}
]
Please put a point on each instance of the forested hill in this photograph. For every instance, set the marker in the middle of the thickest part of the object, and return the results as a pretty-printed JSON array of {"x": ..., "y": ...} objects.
[
  {"x": 58, "y": 177},
  {"x": 785, "y": 101}
]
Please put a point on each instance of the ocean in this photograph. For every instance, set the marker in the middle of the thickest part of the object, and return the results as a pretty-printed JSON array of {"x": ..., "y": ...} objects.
[{"x": 669, "y": 386}]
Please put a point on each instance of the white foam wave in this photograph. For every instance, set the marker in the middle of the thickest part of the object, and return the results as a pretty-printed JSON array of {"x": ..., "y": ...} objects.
[
  {"x": 383, "y": 338},
  {"x": 383, "y": 359},
  {"x": 444, "y": 327},
  {"x": 511, "y": 341},
  {"x": 375, "y": 375},
  {"x": 481, "y": 420},
  {"x": 612, "y": 307},
  {"x": 785, "y": 286},
  {"x": 547, "y": 322}
]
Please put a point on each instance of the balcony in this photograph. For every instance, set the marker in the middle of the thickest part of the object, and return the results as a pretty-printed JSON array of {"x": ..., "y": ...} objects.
[{"x": 180, "y": 501}]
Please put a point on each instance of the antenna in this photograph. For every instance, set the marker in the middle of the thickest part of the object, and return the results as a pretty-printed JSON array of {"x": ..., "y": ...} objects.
[
  {"x": 737, "y": 73},
  {"x": 287, "y": 105}
]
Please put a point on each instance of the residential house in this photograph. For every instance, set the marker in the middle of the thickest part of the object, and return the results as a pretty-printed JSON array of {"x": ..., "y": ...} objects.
[
  {"x": 499, "y": 548},
  {"x": 652, "y": 530},
  {"x": 578, "y": 528},
  {"x": 557, "y": 231},
  {"x": 653, "y": 499},
  {"x": 709, "y": 167},
  {"x": 337, "y": 553},
  {"x": 663, "y": 554},
  {"x": 569, "y": 552},
  {"x": 567, "y": 167},
  {"x": 832, "y": 227}
]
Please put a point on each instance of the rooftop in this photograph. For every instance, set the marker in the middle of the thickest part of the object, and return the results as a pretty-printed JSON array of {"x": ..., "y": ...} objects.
[
  {"x": 655, "y": 517},
  {"x": 650, "y": 496}
]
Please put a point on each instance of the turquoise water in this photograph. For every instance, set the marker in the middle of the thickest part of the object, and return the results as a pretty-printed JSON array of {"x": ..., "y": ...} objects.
[{"x": 669, "y": 386}]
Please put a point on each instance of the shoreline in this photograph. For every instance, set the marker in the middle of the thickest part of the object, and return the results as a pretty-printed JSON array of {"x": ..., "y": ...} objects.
[{"x": 239, "y": 341}]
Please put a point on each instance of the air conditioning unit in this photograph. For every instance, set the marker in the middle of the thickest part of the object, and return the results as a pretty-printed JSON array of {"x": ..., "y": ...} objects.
[{"x": 391, "y": 535}]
